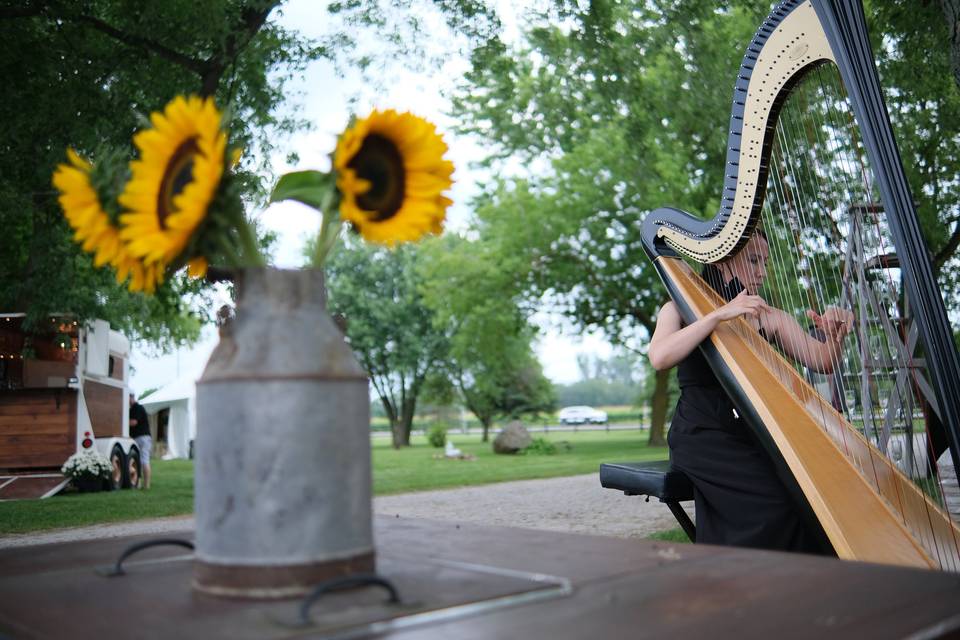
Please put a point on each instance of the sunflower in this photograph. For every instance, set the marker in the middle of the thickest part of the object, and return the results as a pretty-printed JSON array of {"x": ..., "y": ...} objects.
[
  {"x": 174, "y": 181},
  {"x": 93, "y": 228},
  {"x": 391, "y": 174},
  {"x": 139, "y": 276}
]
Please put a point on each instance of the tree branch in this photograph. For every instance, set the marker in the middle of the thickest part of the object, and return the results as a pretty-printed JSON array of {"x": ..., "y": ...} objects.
[
  {"x": 131, "y": 40},
  {"x": 948, "y": 250},
  {"x": 251, "y": 21}
]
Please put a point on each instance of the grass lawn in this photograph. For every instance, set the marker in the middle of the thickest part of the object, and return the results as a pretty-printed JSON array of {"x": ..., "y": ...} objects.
[
  {"x": 416, "y": 469},
  {"x": 673, "y": 535},
  {"x": 410, "y": 469}
]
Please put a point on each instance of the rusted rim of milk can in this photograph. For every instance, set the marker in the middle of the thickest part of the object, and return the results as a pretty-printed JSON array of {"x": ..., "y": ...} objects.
[{"x": 274, "y": 582}]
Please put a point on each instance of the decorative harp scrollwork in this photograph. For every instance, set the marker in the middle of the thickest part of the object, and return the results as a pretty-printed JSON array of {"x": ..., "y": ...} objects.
[{"x": 812, "y": 160}]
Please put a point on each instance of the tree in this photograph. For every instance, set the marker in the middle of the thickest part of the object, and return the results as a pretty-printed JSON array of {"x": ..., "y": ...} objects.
[
  {"x": 951, "y": 14},
  {"x": 605, "y": 381},
  {"x": 490, "y": 361},
  {"x": 624, "y": 110},
  {"x": 84, "y": 74},
  {"x": 623, "y": 136},
  {"x": 388, "y": 326}
]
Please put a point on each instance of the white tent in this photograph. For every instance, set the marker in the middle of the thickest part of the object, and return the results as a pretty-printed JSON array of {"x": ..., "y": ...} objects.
[{"x": 179, "y": 399}]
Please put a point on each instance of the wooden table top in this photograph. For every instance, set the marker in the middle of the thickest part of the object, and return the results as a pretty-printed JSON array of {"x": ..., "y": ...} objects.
[{"x": 467, "y": 581}]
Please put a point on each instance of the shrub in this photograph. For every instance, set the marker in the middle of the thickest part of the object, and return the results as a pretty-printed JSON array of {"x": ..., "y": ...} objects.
[
  {"x": 437, "y": 436},
  {"x": 86, "y": 465},
  {"x": 540, "y": 447}
]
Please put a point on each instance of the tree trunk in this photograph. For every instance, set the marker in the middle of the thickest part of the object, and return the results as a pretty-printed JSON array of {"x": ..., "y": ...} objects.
[
  {"x": 486, "y": 422},
  {"x": 658, "y": 409},
  {"x": 396, "y": 431},
  {"x": 406, "y": 420},
  {"x": 951, "y": 14},
  {"x": 397, "y": 434}
]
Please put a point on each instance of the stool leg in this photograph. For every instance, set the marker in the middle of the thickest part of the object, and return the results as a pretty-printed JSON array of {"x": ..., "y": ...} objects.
[{"x": 684, "y": 520}]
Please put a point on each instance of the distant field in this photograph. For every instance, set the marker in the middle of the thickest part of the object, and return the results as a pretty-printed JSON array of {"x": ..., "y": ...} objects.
[{"x": 415, "y": 468}]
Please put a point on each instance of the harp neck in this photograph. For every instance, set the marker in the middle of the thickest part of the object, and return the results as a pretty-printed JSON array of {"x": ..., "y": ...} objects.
[{"x": 788, "y": 45}]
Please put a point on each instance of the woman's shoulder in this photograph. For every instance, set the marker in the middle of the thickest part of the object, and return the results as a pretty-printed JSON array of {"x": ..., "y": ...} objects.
[
  {"x": 669, "y": 313},
  {"x": 668, "y": 307}
]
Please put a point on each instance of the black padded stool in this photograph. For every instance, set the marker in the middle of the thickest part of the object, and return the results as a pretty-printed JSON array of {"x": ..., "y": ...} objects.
[{"x": 655, "y": 479}]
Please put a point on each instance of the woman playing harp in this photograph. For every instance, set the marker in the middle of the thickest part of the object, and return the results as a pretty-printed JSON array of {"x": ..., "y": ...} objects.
[
  {"x": 811, "y": 158},
  {"x": 739, "y": 499}
]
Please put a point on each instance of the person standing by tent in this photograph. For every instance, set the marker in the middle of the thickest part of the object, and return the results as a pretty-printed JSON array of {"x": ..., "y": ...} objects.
[{"x": 140, "y": 432}]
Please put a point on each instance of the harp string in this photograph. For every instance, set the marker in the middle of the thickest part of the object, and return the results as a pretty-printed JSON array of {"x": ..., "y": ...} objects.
[
  {"x": 808, "y": 207},
  {"x": 810, "y": 215},
  {"x": 897, "y": 377}
]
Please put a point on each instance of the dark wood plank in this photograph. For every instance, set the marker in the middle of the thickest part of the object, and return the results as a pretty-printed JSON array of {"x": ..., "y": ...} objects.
[
  {"x": 39, "y": 427},
  {"x": 620, "y": 588},
  {"x": 105, "y": 405},
  {"x": 20, "y": 397},
  {"x": 37, "y": 458},
  {"x": 49, "y": 408}
]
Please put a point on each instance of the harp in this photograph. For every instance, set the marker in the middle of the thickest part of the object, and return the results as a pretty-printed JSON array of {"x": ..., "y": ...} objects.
[{"x": 811, "y": 157}]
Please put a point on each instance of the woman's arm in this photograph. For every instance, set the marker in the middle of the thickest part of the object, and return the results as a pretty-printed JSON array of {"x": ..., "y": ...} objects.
[
  {"x": 672, "y": 342},
  {"x": 806, "y": 349}
]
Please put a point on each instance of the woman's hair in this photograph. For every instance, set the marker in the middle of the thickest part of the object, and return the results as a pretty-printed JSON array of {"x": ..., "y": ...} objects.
[{"x": 704, "y": 271}]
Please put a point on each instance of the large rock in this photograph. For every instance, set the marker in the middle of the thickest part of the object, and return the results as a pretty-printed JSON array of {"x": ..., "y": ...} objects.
[{"x": 512, "y": 438}]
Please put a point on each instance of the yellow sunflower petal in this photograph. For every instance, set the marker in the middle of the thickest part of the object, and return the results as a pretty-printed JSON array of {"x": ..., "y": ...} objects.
[
  {"x": 197, "y": 268},
  {"x": 92, "y": 227},
  {"x": 412, "y": 152},
  {"x": 186, "y": 135}
]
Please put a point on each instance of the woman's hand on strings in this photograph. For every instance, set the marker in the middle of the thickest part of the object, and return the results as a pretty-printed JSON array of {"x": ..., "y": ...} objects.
[
  {"x": 835, "y": 323},
  {"x": 743, "y": 305}
]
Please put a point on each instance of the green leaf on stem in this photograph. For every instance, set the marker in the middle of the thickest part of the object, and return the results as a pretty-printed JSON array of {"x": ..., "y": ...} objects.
[{"x": 312, "y": 188}]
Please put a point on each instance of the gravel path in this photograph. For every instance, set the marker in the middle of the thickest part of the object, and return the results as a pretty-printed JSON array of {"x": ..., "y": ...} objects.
[{"x": 576, "y": 504}]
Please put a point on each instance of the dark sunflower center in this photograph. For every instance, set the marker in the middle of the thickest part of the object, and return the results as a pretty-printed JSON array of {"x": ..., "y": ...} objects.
[
  {"x": 379, "y": 162},
  {"x": 176, "y": 177}
]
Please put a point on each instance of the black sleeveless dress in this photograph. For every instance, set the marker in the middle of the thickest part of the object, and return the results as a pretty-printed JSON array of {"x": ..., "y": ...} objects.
[{"x": 739, "y": 499}]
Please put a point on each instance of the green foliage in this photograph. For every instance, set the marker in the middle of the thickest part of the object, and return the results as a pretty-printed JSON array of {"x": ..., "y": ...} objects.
[
  {"x": 625, "y": 109},
  {"x": 389, "y": 327},
  {"x": 86, "y": 74},
  {"x": 616, "y": 380},
  {"x": 597, "y": 392},
  {"x": 475, "y": 303},
  {"x": 541, "y": 446},
  {"x": 437, "y": 436}
]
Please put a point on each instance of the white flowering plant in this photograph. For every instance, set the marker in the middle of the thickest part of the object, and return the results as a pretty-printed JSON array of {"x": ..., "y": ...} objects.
[{"x": 86, "y": 464}]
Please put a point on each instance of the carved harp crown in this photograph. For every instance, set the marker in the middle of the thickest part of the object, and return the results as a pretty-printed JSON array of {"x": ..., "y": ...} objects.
[{"x": 811, "y": 157}]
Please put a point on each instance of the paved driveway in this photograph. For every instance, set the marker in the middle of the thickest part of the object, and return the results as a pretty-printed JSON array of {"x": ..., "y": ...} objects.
[{"x": 576, "y": 504}]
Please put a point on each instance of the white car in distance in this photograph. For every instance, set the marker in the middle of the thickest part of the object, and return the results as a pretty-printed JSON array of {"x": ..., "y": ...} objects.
[{"x": 582, "y": 415}]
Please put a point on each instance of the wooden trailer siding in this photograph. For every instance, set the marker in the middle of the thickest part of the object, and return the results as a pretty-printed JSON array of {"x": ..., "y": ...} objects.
[
  {"x": 116, "y": 367},
  {"x": 37, "y": 427},
  {"x": 105, "y": 405},
  {"x": 43, "y": 374}
]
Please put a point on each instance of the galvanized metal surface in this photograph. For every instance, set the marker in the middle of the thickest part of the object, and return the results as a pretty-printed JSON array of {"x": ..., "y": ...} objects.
[
  {"x": 472, "y": 581},
  {"x": 283, "y": 487}
]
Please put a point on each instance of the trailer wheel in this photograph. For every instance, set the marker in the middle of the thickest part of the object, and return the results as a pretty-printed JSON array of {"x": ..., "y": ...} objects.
[
  {"x": 133, "y": 469},
  {"x": 118, "y": 463}
]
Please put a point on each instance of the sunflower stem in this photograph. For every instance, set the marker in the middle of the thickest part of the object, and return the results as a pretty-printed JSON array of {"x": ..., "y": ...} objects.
[
  {"x": 329, "y": 228},
  {"x": 231, "y": 253},
  {"x": 248, "y": 243},
  {"x": 329, "y": 232}
]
